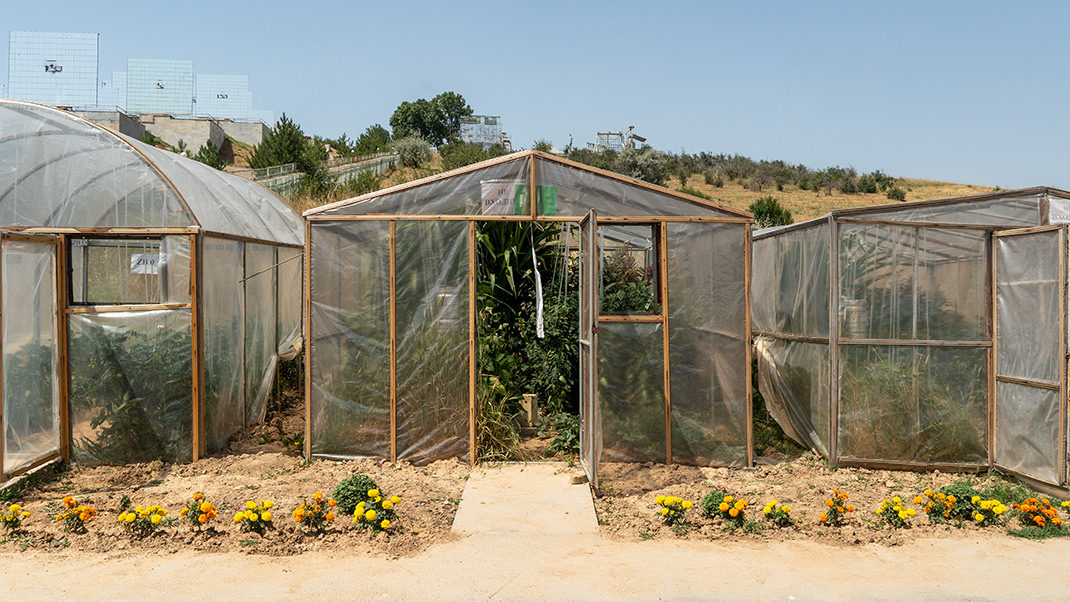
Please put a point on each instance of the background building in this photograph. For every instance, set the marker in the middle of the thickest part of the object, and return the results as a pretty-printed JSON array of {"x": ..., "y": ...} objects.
[
  {"x": 53, "y": 68},
  {"x": 159, "y": 86},
  {"x": 485, "y": 130},
  {"x": 227, "y": 97}
]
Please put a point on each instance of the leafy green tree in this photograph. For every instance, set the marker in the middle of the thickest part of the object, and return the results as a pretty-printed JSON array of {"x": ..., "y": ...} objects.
[
  {"x": 209, "y": 155},
  {"x": 433, "y": 120},
  {"x": 284, "y": 144},
  {"x": 375, "y": 139},
  {"x": 458, "y": 154},
  {"x": 769, "y": 213},
  {"x": 644, "y": 164},
  {"x": 542, "y": 145}
]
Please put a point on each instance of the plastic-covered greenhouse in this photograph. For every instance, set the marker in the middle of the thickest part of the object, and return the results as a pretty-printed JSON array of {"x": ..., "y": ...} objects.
[
  {"x": 926, "y": 334},
  {"x": 392, "y": 313},
  {"x": 146, "y": 297}
]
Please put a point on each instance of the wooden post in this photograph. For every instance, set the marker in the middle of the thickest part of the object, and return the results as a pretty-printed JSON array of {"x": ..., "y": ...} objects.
[
  {"x": 747, "y": 242},
  {"x": 393, "y": 345},
  {"x": 62, "y": 355},
  {"x": 834, "y": 340},
  {"x": 1062, "y": 352},
  {"x": 473, "y": 351},
  {"x": 197, "y": 364},
  {"x": 307, "y": 308},
  {"x": 663, "y": 293}
]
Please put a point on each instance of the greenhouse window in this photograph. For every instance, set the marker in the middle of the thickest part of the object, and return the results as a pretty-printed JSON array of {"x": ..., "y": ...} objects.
[
  {"x": 628, "y": 260},
  {"x": 124, "y": 271}
]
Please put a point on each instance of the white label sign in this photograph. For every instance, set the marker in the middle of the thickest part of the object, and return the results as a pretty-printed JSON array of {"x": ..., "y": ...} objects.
[
  {"x": 144, "y": 263},
  {"x": 498, "y": 197},
  {"x": 1058, "y": 211}
]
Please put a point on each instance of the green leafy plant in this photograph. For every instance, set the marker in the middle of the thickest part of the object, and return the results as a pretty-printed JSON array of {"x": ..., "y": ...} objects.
[
  {"x": 952, "y": 503},
  {"x": 768, "y": 213},
  {"x": 893, "y": 512},
  {"x": 412, "y": 151},
  {"x": 143, "y": 521},
  {"x": 730, "y": 510},
  {"x": 314, "y": 515},
  {"x": 672, "y": 510},
  {"x": 565, "y": 429},
  {"x": 777, "y": 514},
  {"x": 256, "y": 517},
  {"x": 352, "y": 491},
  {"x": 12, "y": 519},
  {"x": 378, "y": 513},
  {"x": 836, "y": 508}
]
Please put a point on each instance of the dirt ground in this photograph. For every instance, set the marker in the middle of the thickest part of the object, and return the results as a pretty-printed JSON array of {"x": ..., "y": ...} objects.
[{"x": 256, "y": 466}]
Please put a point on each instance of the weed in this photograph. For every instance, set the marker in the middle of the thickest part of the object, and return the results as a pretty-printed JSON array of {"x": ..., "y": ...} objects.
[
  {"x": 245, "y": 543},
  {"x": 23, "y": 540},
  {"x": 645, "y": 535},
  {"x": 680, "y": 529}
]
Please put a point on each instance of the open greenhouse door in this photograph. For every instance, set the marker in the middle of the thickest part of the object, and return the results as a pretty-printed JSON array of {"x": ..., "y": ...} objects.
[
  {"x": 1030, "y": 344},
  {"x": 590, "y": 423},
  {"x": 30, "y": 424}
]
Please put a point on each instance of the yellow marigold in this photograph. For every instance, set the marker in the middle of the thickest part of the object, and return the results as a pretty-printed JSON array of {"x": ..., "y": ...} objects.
[
  {"x": 824, "y": 517},
  {"x": 370, "y": 515},
  {"x": 952, "y": 499},
  {"x": 318, "y": 497},
  {"x": 373, "y": 493},
  {"x": 238, "y": 517},
  {"x": 156, "y": 519},
  {"x": 299, "y": 517},
  {"x": 329, "y": 516},
  {"x": 978, "y": 517},
  {"x": 728, "y": 499},
  {"x": 183, "y": 512},
  {"x": 25, "y": 514},
  {"x": 198, "y": 497},
  {"x": 733, "y": 512},
  {"x": 830, "y": 503},
  {"x": 268, "y": 504},
  {"x": 687, "y": 504},
  {"x": 723, "y": 507},
  {"x": 786, "y": 508},
  {"x": 928, "y": 492},
  {"x": 250, "y": 505},
  {"x": 15, "y": 508},
  {"x": 659, "y": 500},
  {"x": 664, "y": 511},
  {"x": 918, "y": 500},
  {"x": 850, "y": 508},
  {"x": 385, "y": 524},
  {"x": 265, "y": 516},
  {"x": 387, "y": 504},
  {"x": 395, "y": 499},
  {"x": 912, "y": 512},
  {"x": 897, "y": 499},
  {"x": 206, "y": 507},
  {"x": 767, "y": 510},
  {"x": 202, "y": 518}
]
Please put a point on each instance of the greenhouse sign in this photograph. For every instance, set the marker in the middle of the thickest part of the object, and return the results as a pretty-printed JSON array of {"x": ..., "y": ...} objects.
[
  {"x": 144, "y": 263},
  {"x": 1058, "y": 210},
  {"x": 500, "y": 197}
]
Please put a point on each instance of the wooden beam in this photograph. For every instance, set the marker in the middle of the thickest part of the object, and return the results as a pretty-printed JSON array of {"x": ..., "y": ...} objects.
[
  {"x": 307, "y": 307},
  {"x": 63, "y": 350},
  {"x": 663, "y": 294},
  {"x": 99, "y": 309},
  {"x": 473, "y": 350},
  {"x": 393, "y": 345},
  {"x": 197, "y": 341},
  {"x": 749, "y": 360}
]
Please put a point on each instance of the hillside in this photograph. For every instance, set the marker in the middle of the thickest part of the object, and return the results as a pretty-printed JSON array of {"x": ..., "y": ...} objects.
[{"x": 808, "y": 204}]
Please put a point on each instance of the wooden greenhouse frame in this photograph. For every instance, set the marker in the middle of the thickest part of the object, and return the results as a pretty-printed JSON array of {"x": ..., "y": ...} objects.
[{"x": 530, "y": 177}]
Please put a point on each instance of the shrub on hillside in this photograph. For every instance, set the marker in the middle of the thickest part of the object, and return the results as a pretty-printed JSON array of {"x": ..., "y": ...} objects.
[
  {"x": 769, "y": 213},
  {"x": 412, "y": 151}
]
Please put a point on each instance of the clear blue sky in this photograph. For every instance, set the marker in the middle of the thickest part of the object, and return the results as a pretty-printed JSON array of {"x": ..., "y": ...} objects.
[{"x": 972, "y": 92}]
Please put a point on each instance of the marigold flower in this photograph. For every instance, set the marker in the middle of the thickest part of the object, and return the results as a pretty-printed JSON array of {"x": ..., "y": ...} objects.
[
  {"x": 183, "y": 512},
  {"x": 824, "y": 517},
  {"x": 830, "y": 503},
  {"x": 202, "y": 518},
  {"x": 332, "y": 503},
  {"x": 268, "y": 504},
  {"x": 659, "y": 500},
  {"x": 198, "y": 496},
  {"x": 265, "y": 516},
  {"x": 767, "y": 510},
  {"x": 918, "y": 500},
  {"x": 156, "y": 519},
  {"x": 250, "y": 505},
  {"x": 238, "y": 517},
  {"x": 723, "y": 507},
  {"x": 664, "y": 511},
  {"x": 733, "y": 512},
  {"x": 728, "y": 499},
  {"x": 318, "y": 497},
  {"x": 373, "y": 493},
  {"x": 385, "y": 524},
  {"x": 15, "y": 508},
  {"x": 329, "y": 516},
  {"x": 395, "y": 499},
  {"x": 206, "y": 507},
  {"x": 850, "y": 508},
  {"x": 686, "y": 504}
]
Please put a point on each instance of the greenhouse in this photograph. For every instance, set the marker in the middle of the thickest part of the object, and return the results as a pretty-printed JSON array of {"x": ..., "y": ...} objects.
[
  {"x": 146, "y": 298},
  {"x": 928, "y": 334},
  {"x": 392, "y": 275}
]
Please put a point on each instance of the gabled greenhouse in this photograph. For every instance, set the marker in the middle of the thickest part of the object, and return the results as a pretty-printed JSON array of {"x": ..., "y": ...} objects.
[
  {"x": 146, "y": 298},
  {"x": 392, "y": 365},
  {"x": 929, "y": 334}
]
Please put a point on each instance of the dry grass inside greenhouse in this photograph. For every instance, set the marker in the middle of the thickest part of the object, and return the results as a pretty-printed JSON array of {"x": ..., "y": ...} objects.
[{"x": 930, "y": 334}]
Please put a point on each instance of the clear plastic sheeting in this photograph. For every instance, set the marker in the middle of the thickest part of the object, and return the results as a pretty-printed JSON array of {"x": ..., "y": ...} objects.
[
  {"x": 1028, "y": 306},
  {"x": 913, "y": 404},
  {"x": 707, "y": 344},
  {"x": 631, "y": 392},
  {"x": 291, "y": 293},
  {"x": 910, "y": 283},
  {"x": 471, "y": 193},
  {"x": 573, "y": 191},
  {"x": 1027, "y": 431},
  {"x": 1006, "y": 212},
  {"x": 793, "y": 378},
  {"x": 790, "y": 293},
  {"x": 260, "y": 329},
  {"x": 112, "y": 270},
  {"x": 431, "y": 259},
  {"x": 224, "y": 329},
  {"x": 350, "y": 340},
  {"x": 131, "y": 386},
  {"x": 30, "y": 383},
  {"x": 224, "y": 203},
  {"x": 58, "y": 170}
]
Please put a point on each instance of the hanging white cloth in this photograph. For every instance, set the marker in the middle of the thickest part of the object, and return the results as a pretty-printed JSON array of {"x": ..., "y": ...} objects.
[{"x": 538, "y": 290}]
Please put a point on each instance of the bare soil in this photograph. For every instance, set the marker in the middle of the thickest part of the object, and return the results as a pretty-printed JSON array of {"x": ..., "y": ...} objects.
[{"x": 257, "y": 466}]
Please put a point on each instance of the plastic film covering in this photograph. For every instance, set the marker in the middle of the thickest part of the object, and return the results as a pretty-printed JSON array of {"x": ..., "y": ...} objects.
[
  {"x": 1028, "y": 306},
  {"x": 30, "y": 403},
  {"x": 432, "y": 340},
  {"x": 793, "y": 378},
  {"x": 131, "y": 386},
  {"x": 460, "y": 194},
  {"x": 571, "y": 191},
  {"x": 107, "y": 271},
  {"x": 790, "y": 282},
  {"x": 912, "y": 283},
  {"x": 1010, "y": 212},
  {"x": 350, "y": 340},
  {"x": 708, "y": 343},
  {"x": 260, "y": 330},
  {"x": 290, "y": 292},
  {"x": 225, "y": 203},
  {"x": 913, "y": 404},
  {"x": 1027, "y": 431},
  {"x": 58, "y": 170},
  {"x": 631, "y": 392},
  {"x": 224, "y": 329}
]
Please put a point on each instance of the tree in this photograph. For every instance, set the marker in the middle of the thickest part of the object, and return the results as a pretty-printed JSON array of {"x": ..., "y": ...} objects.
[
  {"x": 375, "y": 139},
  {"x": 282, "y": 145},
  {"x": 412, "y": 151},
  {"x": 209, "y": 155},
  {"x": 458, "y": 154},
  {"x": 434, "y": 120},
  {"x": 542, "y": 145},
  {"x": 769, "y": 213}
]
